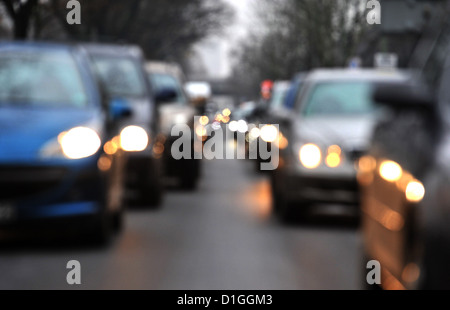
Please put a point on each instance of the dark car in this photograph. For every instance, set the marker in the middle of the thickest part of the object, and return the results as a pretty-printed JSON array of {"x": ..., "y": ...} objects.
[
  {"x": 121, "y": 72},
  {"x": 174, "y": 108},
  {"x": 268, "y": 114},
  {"x": 405, "y": 178},
  {"x": 327, "y": 131},
  {"x": 53, "y": 129},
  {"x": 294, "y": 90}
]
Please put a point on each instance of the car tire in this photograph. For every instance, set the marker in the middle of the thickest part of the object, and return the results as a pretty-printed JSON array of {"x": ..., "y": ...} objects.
[
  {"x": 151, "y": 187},
  {"x": 152, "y": 198},
  {"x": 275, "y": 193},
  {"x": 189, "y": 177},
  {"x": 118, "y": 221},
  {"x": 101, "y": 231}
]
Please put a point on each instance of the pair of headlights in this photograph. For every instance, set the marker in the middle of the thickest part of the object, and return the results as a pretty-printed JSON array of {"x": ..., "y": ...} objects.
[
  {"x": 83, "y": 142},
  {"x": 392, "y": 172},
  {"x": 311, "y": 156}
]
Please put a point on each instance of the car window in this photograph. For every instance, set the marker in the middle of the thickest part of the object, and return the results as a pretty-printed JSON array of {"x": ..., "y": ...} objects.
[
  {"x": 120, "y": 76},
  {"x": 292, "y": 93},
  {"x": 164, "y": 81},
  {"x": 278, "y": 96},
  {"x": 41, "y": 79},
  {"x": 339, "y": 98}
]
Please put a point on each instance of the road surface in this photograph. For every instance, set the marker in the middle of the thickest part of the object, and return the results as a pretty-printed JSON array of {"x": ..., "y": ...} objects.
[{"x": 219, "y": 237}]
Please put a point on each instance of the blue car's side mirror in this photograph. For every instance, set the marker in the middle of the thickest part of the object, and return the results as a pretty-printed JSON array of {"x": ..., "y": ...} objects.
[{"x": 119, "y": 108}]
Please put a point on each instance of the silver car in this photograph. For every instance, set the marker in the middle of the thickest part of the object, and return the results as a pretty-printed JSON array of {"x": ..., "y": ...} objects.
[{"x": 327, "y": 132}]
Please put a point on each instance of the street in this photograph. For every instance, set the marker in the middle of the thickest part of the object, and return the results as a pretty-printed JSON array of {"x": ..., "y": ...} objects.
[{"x": 219, "y": 237}]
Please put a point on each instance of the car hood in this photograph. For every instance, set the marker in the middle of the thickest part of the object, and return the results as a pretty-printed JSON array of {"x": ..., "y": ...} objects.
[
  {"x": 351, "y": 133},
  {"x": 24, "y": 131},
  {"x": 141, "y": 113}
]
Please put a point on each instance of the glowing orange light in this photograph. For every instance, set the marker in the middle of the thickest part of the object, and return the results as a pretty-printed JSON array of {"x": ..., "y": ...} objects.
[
  {"x": 226, "y": 112},
  {"x": 390, "y": 171},
  {"x": 104, "y": 163},
  {"x": 204, "y": 120}
]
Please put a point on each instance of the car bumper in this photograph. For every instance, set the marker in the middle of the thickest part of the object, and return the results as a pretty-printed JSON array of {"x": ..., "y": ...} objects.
[
  {"x": 174, "y": 167},
  {"x": 321, "y": 188},
  {"x": 33, "y": 192},
  {"x": 141, "y": 168}
]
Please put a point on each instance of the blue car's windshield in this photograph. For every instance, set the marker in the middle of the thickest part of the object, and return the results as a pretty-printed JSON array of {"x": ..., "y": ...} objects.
[
  {"x": 339, "y": 98},
  {"x": 41, "y": 79},
  {"x": 120, "y": 76}
]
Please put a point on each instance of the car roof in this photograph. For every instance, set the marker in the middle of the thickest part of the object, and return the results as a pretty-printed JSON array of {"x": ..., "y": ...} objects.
[
  {"x": 112, "y": 49},
  {"x": 165, "y": 68},
  {"x": 281, "y": 84},
  {"x": 300, "y": 76},
  {"x": 323, "y": 75},
  {"x": 31, "y": 45}
]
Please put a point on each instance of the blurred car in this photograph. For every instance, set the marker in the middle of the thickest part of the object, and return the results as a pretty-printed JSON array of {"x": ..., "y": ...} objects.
[
  {"x": 269, "y": 112},
  {"x": 277, "y": 115},
  {"x": 405, "y": 178},
  {"x": 120, "y": 70},
  {"x": 328, "y": 130},
  {"x": 243, "y": 111},
  {"x": 174, "y": 108},
  {"x": 199, "y": 93},
  {"x": 53, "y": 129},
  {"x": 275, "y": 108},
  {"x": 294, "y": 90},
  {"x": 279, "y": 92}
]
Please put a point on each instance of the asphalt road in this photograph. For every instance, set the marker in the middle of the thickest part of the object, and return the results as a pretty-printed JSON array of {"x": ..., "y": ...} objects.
[{"x": 219, "y": 237}]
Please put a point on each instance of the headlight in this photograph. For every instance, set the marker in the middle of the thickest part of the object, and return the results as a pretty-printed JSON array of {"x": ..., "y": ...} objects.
[
  {"x": 201, "y": 131},
  {"x": 79, "y": 142},
  {"x": 334, "y": 156},
  {"x": 242, "y": 126},
  {"x": 269, "y": 133},
  {"x": 134, "y": 139},
  {"x": 390, "y": 171},
  {"x": 310, "y": 156},
  {"x": 282, "y": 142},
  {"x": 367, "y": 164},
  {"x": 255, "y": 133},
  {"x": 204, "y": 120},
  {"x": 415, "y": 191},
  {"x": 180, "y": 119},
  {"x": 233, "y": 126}
]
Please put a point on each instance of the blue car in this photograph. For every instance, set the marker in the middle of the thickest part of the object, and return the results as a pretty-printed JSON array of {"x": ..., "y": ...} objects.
[{"x": 59, "y": 154}]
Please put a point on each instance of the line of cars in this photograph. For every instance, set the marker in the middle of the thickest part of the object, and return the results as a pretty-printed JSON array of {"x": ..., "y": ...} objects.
[
  {"x": 378, "y": 141},
  {"x": 342, "y": 147},
  {"x": 85, "y": 128},
  {"x": 324, "y": 121}
]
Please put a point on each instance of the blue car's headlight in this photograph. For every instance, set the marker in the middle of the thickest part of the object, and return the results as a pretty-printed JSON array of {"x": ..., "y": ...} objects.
[{"x": 77, "y": 143}]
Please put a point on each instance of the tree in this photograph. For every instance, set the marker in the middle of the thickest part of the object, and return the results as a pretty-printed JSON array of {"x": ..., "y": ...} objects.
[
  {"x": 20, "y": 13},
  {"x": 164, "y": 29},
  {"x": 299, "y": 35}
]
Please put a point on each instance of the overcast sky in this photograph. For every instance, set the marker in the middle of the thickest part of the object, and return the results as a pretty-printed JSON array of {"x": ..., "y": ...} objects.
[{"x": 215, "y": 51}]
